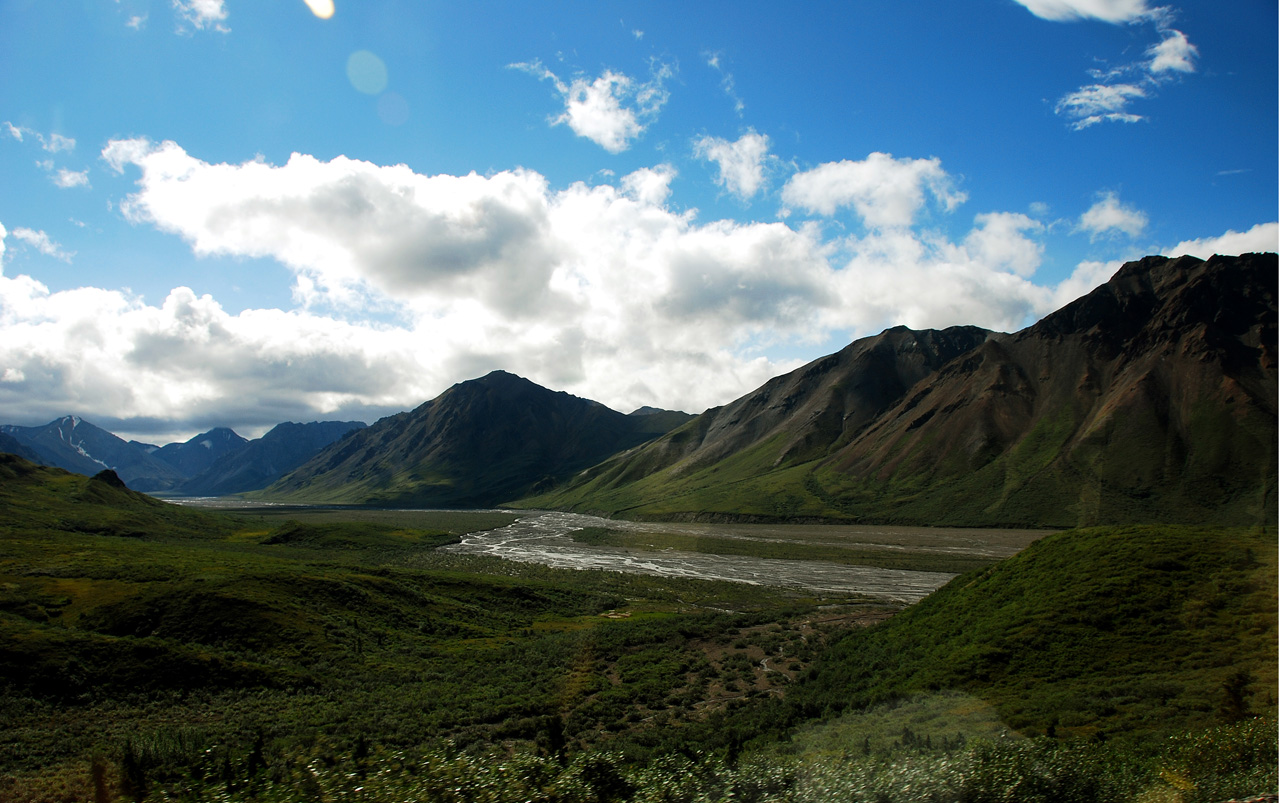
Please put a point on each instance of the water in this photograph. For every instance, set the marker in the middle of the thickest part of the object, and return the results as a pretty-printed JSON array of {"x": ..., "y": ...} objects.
[{"x": 543, "y": 537}]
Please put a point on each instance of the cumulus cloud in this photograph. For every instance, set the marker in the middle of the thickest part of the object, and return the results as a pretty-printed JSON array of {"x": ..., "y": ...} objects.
[
  {"x": 611, "y": 110},
  {"x": 601, "y": 290},
  {"x": 201, "y": 15},
  {"x": 884, "y": 191},
  {"x": 1264, "y": 237},
  {"x": 741, "y": 163},
  {"x": 1108, "y": 215},
  {"x": 1175, "y": 53},
  {"x": 998, "y": 241},
  {"x": 650, "y": 185}
]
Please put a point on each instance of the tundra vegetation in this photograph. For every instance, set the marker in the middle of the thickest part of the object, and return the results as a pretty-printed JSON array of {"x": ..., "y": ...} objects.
[{"x": 153, "y": 652}]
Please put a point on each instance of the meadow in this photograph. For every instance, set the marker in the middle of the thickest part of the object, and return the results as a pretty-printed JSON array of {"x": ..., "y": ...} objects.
[{"x": 152, "y": 652}]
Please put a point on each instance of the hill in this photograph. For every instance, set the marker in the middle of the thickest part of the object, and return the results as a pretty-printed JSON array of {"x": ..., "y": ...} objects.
[
  {"x": 1140, "y": 631},
  {"x": 479, "y": 443},
  {"x": 153, "y": 651},
  {"x": 1152, "y": 398}
]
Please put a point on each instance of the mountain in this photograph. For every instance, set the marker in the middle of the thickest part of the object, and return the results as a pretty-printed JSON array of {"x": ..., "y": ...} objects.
[
  {"x": 479, "y": 443},
  {"x": 258, "y": 463},
  {"x": 196, "y": 455},
  {"x": 76, "y": 445},
  {"x": 11, "y": 445},
  {"x": 1152, "y": 398}
]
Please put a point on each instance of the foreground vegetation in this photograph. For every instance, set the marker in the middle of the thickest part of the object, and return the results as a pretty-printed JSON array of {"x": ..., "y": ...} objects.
[{"x": 149, "y": 652}]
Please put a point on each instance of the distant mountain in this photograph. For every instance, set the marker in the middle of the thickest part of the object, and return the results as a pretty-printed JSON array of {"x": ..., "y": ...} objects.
[
  {"x": 76, "y": 445},
  {"x": 258, "y": 463},
  {"x": 1153, "y": 398},
  {"x": 479, "y": 443},
  {"x": 196, "y": 455},
  {"x": 11, "y": 445}
]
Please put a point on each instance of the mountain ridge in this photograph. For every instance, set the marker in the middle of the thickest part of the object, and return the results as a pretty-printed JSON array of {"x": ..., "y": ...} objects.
[
  {"x": 479, "y": 443},
  {"x": 1150, "y": 398}
]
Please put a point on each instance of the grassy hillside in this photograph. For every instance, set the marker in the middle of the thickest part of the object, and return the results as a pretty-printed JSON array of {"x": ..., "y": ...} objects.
[
  {"x": 149, "y": 652},
  {"x": 1099, "y": 633}
]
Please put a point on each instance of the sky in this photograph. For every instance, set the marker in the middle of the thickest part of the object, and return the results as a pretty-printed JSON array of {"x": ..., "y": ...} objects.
[{"x": 234, "y": 213}]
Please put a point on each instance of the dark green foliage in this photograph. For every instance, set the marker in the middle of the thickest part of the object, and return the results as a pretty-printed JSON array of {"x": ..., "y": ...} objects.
[
  {"x": 298, "y": 657},
  {"x": 1110, "y": 630}
]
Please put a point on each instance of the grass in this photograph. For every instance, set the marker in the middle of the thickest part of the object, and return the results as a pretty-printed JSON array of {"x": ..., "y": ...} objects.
[
  {"x": 1096, "y": 633},
  {"x": 153, "y": 652}
]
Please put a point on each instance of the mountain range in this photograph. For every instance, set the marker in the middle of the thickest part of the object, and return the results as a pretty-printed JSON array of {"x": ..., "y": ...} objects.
[
  {"x": 1152, "y": 398},
  {"x": 213, "y": 463},
  {"x": 480, "y": 443}
]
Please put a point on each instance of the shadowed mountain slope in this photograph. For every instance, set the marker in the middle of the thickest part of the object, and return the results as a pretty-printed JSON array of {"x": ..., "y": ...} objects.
[
  {"x": 479, "y": 443},
  {"x": 258, "y": 463},
  {"x": 197, "y": 454},
  {"x": 1153, "y": 398},
  {"x": 74, "y": 444}
]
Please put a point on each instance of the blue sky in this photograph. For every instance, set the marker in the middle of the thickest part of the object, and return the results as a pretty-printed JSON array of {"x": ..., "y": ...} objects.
[{"x": 223, "y": 213}]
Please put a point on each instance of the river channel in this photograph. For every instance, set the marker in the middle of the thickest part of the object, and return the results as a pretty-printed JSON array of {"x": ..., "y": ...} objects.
[{"x": 545, "y": 537}]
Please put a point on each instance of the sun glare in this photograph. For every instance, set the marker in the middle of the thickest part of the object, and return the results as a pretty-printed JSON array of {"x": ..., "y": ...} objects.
[{"x": 321, "y": 8}]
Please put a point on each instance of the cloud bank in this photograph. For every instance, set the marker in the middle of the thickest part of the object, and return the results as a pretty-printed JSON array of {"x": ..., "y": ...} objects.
[{"x": 603, "y": 291}]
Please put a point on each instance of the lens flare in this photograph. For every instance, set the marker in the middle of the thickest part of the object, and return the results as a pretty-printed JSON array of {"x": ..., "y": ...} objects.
[
  {"x": 321, "y": 8},
  {"x": 366, "y": 72}
]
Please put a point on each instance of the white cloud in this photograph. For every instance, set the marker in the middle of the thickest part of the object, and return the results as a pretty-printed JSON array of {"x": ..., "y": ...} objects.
[
  {"x": 726, "y": 82},
  {"x": 884, "y": 191},
  {"x": 1109, "y": 215},
  {"x": 999, "y": 242},
  {"x": 137, "y": 22},
  {"x": 201, "y": 15},
  {"x": 1174, "y": 53},
  {"x": 740, "y": 163},
  {"x": 1109, "y": 100},
  {"x": 1264, "y": 237},
  {"x": 602, "y": 291},
  {"x": 58, "y": 142},
  {"x": 69, "y": 178},
  {"x": 1083, "y": 279},
  {"x": 612, "y": 110},
  {"x": 1115, "y": 11},
  {"x": 52, "y": 143},
  {"x": 650, "y": 185},
  {"x": 1098, "y": 103},
  {"x": 41, "y": 242}
]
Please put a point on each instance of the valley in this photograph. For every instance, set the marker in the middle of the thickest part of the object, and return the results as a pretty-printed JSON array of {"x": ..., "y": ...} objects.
[{"x": 950, "y": 565}]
